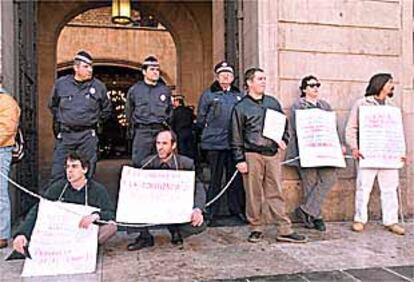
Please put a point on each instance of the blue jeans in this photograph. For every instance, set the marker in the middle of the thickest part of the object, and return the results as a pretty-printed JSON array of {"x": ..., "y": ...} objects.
[{"x": 5, "y": 212}]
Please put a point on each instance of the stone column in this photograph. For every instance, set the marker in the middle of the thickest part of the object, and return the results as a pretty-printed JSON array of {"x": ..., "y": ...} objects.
[{"x": 218, "y": 34}]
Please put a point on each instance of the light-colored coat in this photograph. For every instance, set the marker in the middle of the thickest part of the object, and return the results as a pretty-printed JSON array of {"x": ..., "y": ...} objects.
[{"x": 352, "y": 126}]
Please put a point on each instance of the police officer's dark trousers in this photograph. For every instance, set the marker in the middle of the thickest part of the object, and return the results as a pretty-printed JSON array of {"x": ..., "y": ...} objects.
[
  {"x": 221, "y": 164},
  {"x": 144, "y": 144},
  {"x": 84, "y": 143}
]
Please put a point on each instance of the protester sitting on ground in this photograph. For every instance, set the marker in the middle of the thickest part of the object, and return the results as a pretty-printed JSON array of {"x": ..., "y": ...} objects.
[
  {"x": 77, "y": 189},
  {"x": 166, "y": 158}
]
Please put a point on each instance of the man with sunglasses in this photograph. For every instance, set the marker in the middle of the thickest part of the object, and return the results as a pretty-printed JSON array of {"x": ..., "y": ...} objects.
[
  {"x": 78, "y": 103},
  {"x": 316, "y": 181}
]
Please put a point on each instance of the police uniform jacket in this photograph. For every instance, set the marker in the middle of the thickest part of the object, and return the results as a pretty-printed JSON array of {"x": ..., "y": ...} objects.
[
  {"x": 247, "y": 127},
  {"x": 149, "y": 104},
  {"x": 214, "y": 115},
  {"x": 79, "y": 104}
]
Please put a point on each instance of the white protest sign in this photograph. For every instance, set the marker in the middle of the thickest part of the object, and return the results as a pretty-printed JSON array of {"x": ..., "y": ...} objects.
[
  {"x": 155, "y": 196},
  {"x": 318, "y": 139},
  {"x": 57, "y": 245},
  {"x": 381, "y": 137},
  {"x": 274, "y": 125}
]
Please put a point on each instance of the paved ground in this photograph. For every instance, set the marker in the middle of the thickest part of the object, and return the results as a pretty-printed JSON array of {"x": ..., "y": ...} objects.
[{"x": 223, "y": 254}]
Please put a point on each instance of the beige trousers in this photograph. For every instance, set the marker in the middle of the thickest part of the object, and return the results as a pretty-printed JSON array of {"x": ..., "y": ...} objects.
[{"x": 265, "y": 203}]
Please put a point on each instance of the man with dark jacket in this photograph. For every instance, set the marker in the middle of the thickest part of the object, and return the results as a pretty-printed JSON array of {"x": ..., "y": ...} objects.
[
  {"x": 77, "y": 189},
  {"x": 148, "y": 110},
  {"x": 213, "y": 120},
  {"x": 78, "y": 102},
  {"x": 257, "y": 161},
  {"x": 166, "y": 158}
]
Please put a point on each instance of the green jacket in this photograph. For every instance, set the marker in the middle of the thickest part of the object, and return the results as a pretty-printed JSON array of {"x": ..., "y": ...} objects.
[{"x": 97, "y": 197}]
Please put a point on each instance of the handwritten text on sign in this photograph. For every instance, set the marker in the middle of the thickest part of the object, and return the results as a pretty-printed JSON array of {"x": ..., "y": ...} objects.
[
  {"x": 58, "y": 245},
  {"x": 318, "y": 139},
  {"x": 381, "y": 137},
  {"x": 155, "y": 196}
]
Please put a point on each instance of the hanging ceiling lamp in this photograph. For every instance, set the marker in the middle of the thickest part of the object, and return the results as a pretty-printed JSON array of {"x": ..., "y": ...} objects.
[{"x": 121, "y": 11}]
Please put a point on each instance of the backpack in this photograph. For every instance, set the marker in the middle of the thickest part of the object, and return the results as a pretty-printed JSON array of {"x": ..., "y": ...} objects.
[{"x": 18, "y": 148}]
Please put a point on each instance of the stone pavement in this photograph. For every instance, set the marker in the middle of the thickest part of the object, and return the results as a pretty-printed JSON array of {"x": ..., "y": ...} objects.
[{"x": 223, "y": 254}]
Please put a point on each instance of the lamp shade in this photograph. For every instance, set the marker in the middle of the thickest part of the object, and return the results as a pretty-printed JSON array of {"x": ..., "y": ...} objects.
[{"x": 121, "y": 11}]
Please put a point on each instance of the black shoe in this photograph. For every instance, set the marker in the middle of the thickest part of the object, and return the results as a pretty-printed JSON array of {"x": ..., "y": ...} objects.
[
  {"x": 319, "y": 224},
  {"x": 305, "y": 218},
  {"x": 176, "y": 238},
  {"x": 255, "y": 237},
  {"x": 141, "y": 243},
  {"x": 292, "y": 238}
]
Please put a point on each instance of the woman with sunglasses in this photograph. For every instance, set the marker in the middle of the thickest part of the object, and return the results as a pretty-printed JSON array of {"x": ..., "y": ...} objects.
[{"x": 316, "y": 181}]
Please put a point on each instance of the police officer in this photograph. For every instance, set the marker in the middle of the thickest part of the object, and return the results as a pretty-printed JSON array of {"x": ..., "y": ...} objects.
[
  {"x": 213, "y": 119},
  {"x": 78, "y": 102},
  {"x": 149, "y": 110}
]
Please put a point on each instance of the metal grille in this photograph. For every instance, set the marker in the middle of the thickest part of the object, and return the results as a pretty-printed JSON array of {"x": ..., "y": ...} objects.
[{"x": 26, "y": 89}]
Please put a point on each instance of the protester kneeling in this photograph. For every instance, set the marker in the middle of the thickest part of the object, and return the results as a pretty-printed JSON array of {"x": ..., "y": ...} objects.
[
  {"x": 77, "y": 189},
  {"x": 166, "y": 158}
]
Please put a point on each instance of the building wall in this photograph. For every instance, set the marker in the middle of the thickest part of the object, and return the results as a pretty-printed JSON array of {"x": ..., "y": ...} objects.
[{"x": 343, "y": 43}]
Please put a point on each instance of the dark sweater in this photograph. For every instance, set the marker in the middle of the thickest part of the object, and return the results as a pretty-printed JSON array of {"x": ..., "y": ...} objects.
[
  {"x": 183, "y": 163},
  {"x": 97, "y": 197}
]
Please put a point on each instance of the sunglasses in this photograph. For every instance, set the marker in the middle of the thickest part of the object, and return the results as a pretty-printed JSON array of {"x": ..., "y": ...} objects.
[{"x": 311, "y": 85}]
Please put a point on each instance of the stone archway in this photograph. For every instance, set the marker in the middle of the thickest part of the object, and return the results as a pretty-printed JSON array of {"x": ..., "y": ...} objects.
[{"x": 190, "y": 24}]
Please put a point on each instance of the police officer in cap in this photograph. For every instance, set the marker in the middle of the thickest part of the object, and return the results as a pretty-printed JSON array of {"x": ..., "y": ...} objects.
[
  {"x": 148, "y": 109},
  {"x": 78, "y": 102},
  {"x": 213, "y": 120}
]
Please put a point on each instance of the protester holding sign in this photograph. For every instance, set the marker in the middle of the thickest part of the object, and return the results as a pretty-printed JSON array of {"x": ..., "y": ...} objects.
[
  {"x": 9, "y": 120},
  {"x": 166, "y": 158},
  {"x": 256, "y": 160},
  {"x": 316, "y": 181},
  {"x": 76, "y": 189},
  {"x": 378, "y": 93}
]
